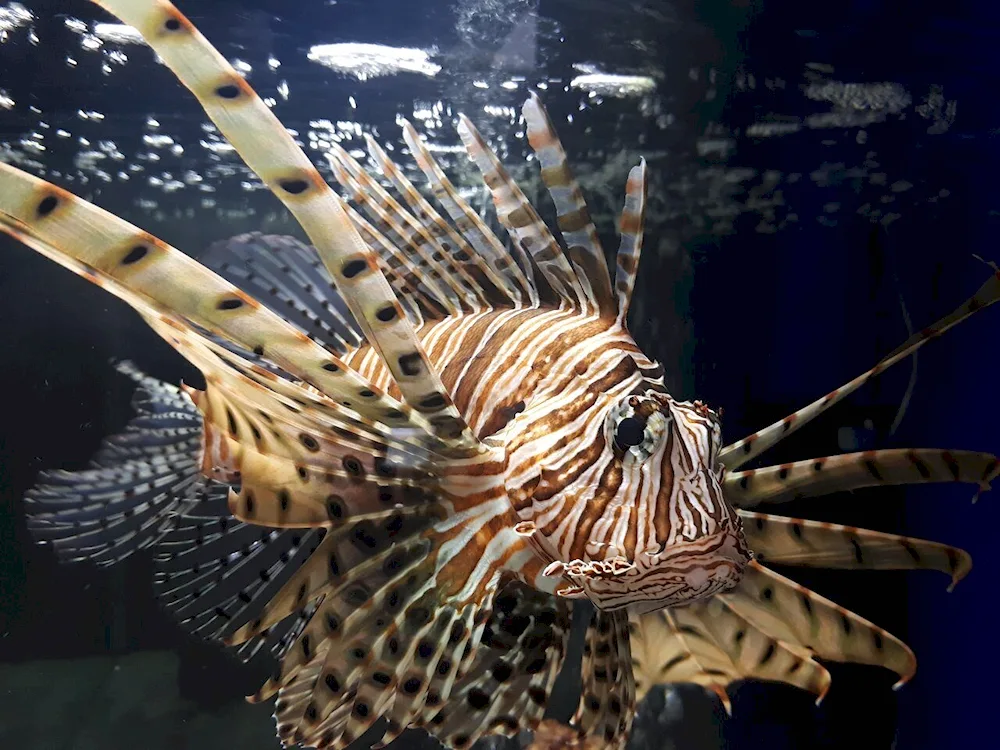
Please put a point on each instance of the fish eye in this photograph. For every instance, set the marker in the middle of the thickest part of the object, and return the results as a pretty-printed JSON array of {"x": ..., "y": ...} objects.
[
  {"x": 630, "y": 432},
  {"x": 636, "y": 425}
]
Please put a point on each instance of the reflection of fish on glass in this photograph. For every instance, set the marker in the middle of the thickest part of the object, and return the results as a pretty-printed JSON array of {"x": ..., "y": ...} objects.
[{"x": 416, "y": 450}]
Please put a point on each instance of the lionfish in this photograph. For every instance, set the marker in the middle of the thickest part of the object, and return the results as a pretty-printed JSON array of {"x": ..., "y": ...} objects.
[{"x": 418, "y": 447}]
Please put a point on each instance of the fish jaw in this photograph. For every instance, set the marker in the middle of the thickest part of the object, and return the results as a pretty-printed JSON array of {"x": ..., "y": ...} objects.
[{"x": 680, "y": 575}]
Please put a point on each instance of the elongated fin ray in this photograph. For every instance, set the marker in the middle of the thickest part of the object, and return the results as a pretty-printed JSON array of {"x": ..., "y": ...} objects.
[
  {"x": 145, "y": 271},
  {"x": 815, "y": 544},
  {"x": 415, "y": 235},
  {"x": 572, "y": 215},
  {"x": 849, "y": 471},
  {"x": 789, "y": 612},
  {"x": 416, "y": 255},
  {"x": 524, "y": 225},
  {"x": 738, "y": 453},
  {"x": 491, "y": 284},
  {"x": 287, "y": 276},
  {"x": 269, "y": 150},
  {"x": 632, "y": 226},
  {"x": 469, "y": 223}
]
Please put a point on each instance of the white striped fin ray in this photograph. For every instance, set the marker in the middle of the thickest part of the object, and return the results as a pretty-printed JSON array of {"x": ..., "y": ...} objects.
[
  {"x": 413, "y": 233},
  {"x": 573, "y": 217},
  {"x": 270, "y": 151},
  {"x": 525, "y": 226},
  {"x": 414, "y": 295},
  {"x": 490, "y": 283},
  {"x": 518, "y": 280},
  {"x": 214, "y": 573},
  {"x": 406, "y": 254}
]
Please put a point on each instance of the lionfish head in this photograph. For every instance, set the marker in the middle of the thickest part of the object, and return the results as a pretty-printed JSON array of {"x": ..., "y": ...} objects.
[{"x": 647, "y": 525}]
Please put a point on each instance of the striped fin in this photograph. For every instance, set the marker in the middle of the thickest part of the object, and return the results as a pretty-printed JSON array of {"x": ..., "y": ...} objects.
[
  {"x": 472, "y": 227},
  {"x": 573, "y": 217},
  {"x": 214, "y": 573},
  {"x": 607, "y": 701},
  {"x": 738, "y": 453},
  {"x": 269, "y": 150},
  {"x": 796, "y": 541},
  {"x": 509, "y": 683},
  {"x": 136, "y": 482},
  {"x": 287, "y": 276},
  {"x": 631, "y": 227},
  {"x": 145, "y": 271},
  {"x": 525, "y": 226},
  {"x": 414, "y": 294},
  {"x": 422, "y": 257},
  {"x": 789, "y": 612},
  {"x": 486, "y": 281},
  {"x": 850, "y": 471},
  {"x": 709, "y": 644}
]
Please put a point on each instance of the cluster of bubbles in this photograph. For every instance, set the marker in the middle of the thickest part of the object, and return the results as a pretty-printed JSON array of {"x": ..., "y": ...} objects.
[{"x": 172, "y": 168}]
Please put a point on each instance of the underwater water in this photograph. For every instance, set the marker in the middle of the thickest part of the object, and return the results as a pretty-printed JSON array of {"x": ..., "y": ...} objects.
[{"x": 819, "y": 180}]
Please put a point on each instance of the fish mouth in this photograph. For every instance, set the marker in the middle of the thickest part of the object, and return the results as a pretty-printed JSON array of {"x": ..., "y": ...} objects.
[{"x": 680, "y": 574}]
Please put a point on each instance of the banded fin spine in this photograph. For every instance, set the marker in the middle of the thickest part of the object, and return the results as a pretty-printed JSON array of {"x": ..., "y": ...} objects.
[
  {"x": 850, "y": 471},
  {"x": 796, "y": 541},
  {"x": 462, "y": 252},
  {"x": 524, "y": 225},
  {"x": 269, "y": 150},
  {"x": 472, "y": 227},
  {"x": 736, "y": 454},
  {"x": 631, "y": 227},
  {"x": 572, "y": 214}
]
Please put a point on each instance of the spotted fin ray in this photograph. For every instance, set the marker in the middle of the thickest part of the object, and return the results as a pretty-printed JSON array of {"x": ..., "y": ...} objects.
[
  {"x": 286, "y": 275},
  {"x": 144, "y": 270},
  {"x": 270, "y": 151},
  {"x": 608, "y": 697}
]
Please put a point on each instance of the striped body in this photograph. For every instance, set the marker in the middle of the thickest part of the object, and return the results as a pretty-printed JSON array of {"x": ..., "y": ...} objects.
[{"x": 544, "y": 383}]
